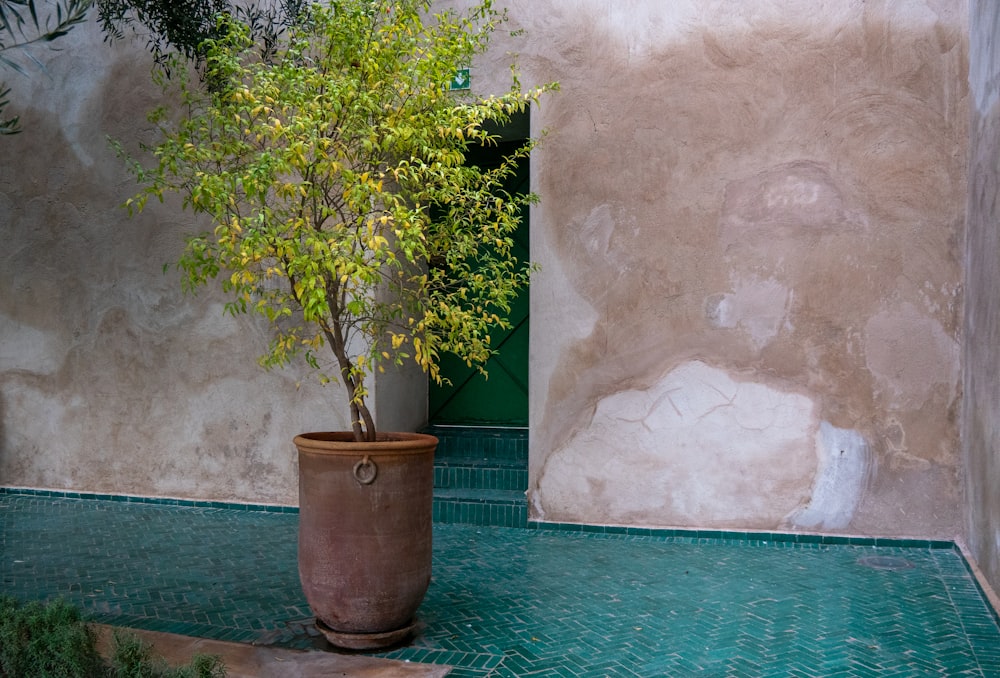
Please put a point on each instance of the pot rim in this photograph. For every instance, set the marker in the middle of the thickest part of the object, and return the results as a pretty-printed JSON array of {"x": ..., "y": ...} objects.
[{"x": 342, "y": 442}]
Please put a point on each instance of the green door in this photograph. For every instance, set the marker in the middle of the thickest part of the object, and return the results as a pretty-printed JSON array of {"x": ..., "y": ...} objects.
[{"x": 502, "y": 398}]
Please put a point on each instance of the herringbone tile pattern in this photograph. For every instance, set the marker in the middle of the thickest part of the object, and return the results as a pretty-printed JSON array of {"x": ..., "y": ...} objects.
[{"x": 516, "y": 602}]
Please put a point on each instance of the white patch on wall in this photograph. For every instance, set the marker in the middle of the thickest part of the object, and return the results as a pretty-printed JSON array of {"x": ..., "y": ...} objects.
[
  {"x": 909, "y": 352},
  {"x": 640, "y": 27},
  {"x": 28, "y": 349},
  {"x": 844, "y": 467},
  {"x": 758, "y": 307},
  {"x": 554, "y": 297},
  {"x": 798, "y": 195},
  {"x": 698, "y": 448},
  {"x": 600, "y": 236}
]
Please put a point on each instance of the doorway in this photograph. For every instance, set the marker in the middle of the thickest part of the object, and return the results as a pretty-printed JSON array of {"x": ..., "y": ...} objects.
[{"x": 501, "y": 399}]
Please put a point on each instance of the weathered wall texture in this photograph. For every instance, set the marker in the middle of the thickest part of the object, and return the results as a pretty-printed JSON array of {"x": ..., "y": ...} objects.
[
  {"x": 750, "y": 235},
  {"x": 747, "y": 315},
  {"x": 111, "y": 380},
  {"x": 981, "y": 408}
]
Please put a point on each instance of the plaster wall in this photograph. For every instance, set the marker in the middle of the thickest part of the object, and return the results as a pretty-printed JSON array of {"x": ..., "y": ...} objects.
[
  {"x": 981, "y": 364},
  {"x": 111, "y": 379},
  {"x": 748, "y": 310},
  {"x": 750, "y": 237}
]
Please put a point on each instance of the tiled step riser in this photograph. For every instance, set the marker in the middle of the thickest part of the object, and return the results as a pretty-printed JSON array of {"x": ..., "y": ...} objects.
[
  {"x": 471, "y": 464},
  {"x": 493, "y": 514},
  {"x": 480, "y": 478},
  {"x": 498, "y": 445}
]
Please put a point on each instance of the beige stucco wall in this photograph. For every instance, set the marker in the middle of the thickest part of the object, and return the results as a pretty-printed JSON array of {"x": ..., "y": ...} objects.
[
  {"x": 748, "y": 312},
  {"x": 750, "y": 238},
  {"x": 981, "y": 408}
]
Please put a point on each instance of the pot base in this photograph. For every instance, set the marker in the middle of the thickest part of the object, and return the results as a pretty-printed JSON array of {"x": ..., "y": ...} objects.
[{"x": 366, "y": 641}]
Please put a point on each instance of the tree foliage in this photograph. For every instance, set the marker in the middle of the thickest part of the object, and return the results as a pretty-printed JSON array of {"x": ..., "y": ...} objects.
[
  {"x": 334, "y": 171},
  {"x": 171, "y": 27},
  {"x": 25, "y": 24}
]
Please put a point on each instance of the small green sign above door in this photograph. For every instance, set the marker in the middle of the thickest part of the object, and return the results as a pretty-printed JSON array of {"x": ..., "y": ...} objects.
[{"x": 461, "y": 80}]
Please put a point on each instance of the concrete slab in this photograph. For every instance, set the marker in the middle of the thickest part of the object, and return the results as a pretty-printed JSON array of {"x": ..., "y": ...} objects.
[{"x": 250, "y": 661}]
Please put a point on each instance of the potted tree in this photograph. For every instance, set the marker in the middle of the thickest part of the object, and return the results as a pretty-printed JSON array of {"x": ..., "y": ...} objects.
[{"x": 331, "y": 168}]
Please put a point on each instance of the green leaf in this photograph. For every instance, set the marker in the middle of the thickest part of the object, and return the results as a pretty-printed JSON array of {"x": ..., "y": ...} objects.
[{"x": 333, "y": 172}]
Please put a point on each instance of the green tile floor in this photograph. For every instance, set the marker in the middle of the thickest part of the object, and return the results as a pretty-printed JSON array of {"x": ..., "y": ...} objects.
[{"x": 525, "y": 602}]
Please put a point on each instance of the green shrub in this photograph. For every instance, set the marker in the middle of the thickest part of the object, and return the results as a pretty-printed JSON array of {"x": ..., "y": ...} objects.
[
  {"x": 133, "y": 658},
  {"x": 53, "y": 641},
  {"x": 44, "y": 641}
]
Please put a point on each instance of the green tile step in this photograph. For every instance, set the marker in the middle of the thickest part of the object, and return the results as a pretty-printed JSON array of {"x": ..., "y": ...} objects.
[
  {"x": 480, "y": 476},
  {"x": 493, "y": 508},
  {"x": 509, "y": 445},
  {"x": 474, "y": 495},
  {"x": 480, "y": 496}
]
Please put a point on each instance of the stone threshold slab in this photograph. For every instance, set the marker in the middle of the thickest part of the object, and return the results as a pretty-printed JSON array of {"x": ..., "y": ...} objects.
[{"x": 252, "y": 661}]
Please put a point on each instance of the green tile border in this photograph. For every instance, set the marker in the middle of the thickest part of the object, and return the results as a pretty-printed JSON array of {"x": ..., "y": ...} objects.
[
  {"x": 747, "y": 536},
  {"x": 980, "y": 588},
  {"x": 159, "y": 501},
  {"x": 483, "y": 513},
  {"x": 682, "y": 533}
]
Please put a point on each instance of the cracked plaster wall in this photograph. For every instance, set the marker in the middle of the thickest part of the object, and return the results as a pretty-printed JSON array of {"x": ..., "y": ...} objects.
[
  {"x": 750, "y": 237},
  {"x": 981, "y": 407},
  {"x": 111, "y": 379}
]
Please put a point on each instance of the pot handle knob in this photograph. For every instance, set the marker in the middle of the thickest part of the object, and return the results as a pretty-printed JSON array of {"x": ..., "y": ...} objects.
[{"x": 365, "y": 471}]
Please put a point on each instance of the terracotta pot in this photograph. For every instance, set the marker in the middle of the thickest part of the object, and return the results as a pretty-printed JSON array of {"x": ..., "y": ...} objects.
[{"x": 365, "y": 533}]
